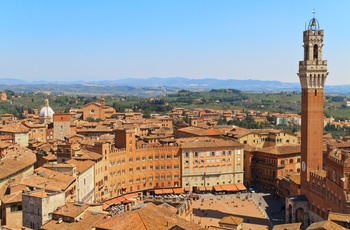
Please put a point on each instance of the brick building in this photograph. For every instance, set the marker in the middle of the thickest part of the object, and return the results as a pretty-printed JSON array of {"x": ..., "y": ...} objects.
[{"x": 324, "y": 187}]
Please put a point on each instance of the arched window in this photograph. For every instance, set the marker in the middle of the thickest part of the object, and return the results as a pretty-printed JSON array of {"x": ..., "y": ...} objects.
[{"x": 315, "y": 52}]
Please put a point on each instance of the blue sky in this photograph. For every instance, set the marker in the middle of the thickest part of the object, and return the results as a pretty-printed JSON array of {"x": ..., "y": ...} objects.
[{"x": 100, "y": 39}]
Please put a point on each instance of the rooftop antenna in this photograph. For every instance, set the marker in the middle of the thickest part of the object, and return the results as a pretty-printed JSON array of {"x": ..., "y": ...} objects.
[{"x": 313, "y": 12}]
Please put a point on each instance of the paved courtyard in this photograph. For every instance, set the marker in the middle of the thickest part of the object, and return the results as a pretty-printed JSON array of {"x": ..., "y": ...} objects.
[{"x": 259, "y": 211}]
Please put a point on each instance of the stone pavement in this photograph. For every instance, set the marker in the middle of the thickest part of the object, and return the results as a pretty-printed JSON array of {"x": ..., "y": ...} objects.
[{"x": 213, "y": 208}]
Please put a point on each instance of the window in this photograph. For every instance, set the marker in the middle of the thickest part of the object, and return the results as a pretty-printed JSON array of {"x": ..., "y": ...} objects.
[
  {"x": 186, "y": 154},
  {"x": 229, "y": 152},
  {"x": 224, "y": 153},
  {"x": 291, "y": 161},
  {"x": 16, "y": 207},
  {"x": 213, "y": 154},
  {"x": 150, "y": 158},
  {"x": 208, "y": 153},
  {"x": 202, "y": 154},
  {"x": 195, "y": 154},
  {"x": 130, "y": 160}
]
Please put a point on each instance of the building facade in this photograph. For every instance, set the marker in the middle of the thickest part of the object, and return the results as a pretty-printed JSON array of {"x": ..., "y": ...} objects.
[{"x": 210, "y": 162}]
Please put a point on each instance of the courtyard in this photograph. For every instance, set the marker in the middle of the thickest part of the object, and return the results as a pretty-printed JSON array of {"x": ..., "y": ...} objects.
[{"x": 258, "y": 210}]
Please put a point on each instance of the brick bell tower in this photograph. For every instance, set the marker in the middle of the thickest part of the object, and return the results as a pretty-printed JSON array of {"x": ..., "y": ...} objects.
[{"x": 312, "y": 75}]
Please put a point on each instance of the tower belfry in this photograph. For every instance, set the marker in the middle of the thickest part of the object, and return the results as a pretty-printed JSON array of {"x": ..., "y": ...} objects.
[{"x": 312, "y": 75}]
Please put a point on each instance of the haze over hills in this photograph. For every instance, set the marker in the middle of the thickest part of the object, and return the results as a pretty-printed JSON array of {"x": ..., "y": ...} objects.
[{"x": 161, "y": 85}]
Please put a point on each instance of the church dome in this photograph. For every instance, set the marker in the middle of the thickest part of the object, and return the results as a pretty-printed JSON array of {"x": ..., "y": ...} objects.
[{"x": 46, "y": 112}]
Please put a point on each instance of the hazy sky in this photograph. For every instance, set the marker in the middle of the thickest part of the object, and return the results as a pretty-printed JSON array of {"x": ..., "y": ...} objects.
[{"x": 106, "y": 39}]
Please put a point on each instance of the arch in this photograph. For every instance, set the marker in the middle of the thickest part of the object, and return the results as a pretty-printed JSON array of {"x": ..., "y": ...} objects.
[
  {"x": 290, "y": 216},
  {"x": 315, "y": 52},
  {"x": 306, "y": 52},
  {"x": 299, "y": 215}
]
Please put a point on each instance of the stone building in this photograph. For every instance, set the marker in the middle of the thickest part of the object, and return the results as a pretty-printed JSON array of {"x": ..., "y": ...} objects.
[
  {"x": 98, "y": 110},
  {"x": 39, "y": 205},
  {"x": 207, "y": 162},
  {"x": 61, "y": 125}
]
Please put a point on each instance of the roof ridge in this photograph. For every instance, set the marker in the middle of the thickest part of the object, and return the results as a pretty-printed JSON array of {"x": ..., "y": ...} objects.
[{"x": 142, "y": 220}]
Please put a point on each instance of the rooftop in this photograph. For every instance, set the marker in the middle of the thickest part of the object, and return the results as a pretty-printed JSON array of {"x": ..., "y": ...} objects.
[{"x": 149, "y": 217}]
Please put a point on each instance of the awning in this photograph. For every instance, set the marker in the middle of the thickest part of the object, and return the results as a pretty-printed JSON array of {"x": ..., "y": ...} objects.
[
  {"x": 158, "y": 191},
  {"x": 167, "y": 191},
  {"x": 229, "y": 188},
  {"x": 114, "y": 201},
  {"x": 233, "y": 188},
  {"x": 187, "y": 189},
  {"x": 178, "y": 190},
  {"x": 202, "y": 188},
  {"x": 126, "y": 201},
  {"x": 241, "y": 187},
  {"x": 132, "y": 195},
  {"x": 208, "y": 188},
  {"x": 218, "y": 188}
]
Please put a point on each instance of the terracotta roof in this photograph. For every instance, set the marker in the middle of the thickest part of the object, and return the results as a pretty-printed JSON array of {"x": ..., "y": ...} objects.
[
  {"x": 15, "y": 160},
  {"x": 71, "y": 209},
  {"x": 149, "y": 217},
  {"x": 4, "y": 144},
  {"x": 47, "y": 179},
  {"x": 87, "y": 221},
  {"x": 285, "y": 149},
  {"x": 341, "y": 217},
  {"x": 292, "y": 226},
  {"x": 12, "y": 192},
  {"x": 14, "y": 128},
  {"x": 82, "y": 166},
  {"x": 200, "y": 142},
  {"x": 198, "y": 131},
  {"x": 231, "y": 220},
  {"x": 339, "y": 143},
  {"x": 84, "y": 154},
  {"x": 325, "y": 225},
  {"x": 295, "y": 179}
]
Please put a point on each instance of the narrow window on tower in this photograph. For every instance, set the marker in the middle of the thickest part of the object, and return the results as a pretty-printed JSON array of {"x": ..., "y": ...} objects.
[
  {"x": 315, "y": 52},
  {"x": 306, "y": 53},
  {"x": 315, "y": 92}
]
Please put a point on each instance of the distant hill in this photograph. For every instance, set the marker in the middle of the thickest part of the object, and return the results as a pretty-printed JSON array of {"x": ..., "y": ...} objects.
[{"x": 166, "y": 84}]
